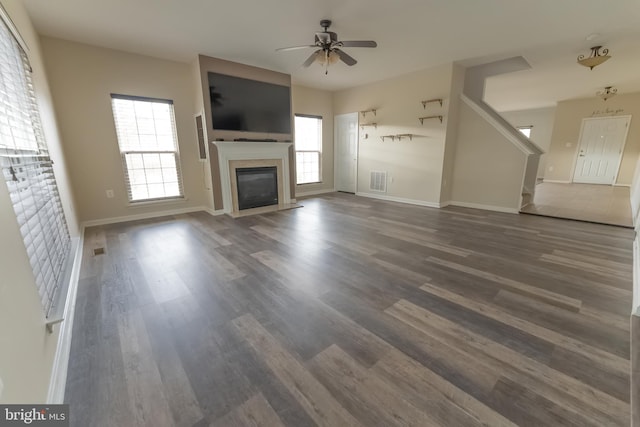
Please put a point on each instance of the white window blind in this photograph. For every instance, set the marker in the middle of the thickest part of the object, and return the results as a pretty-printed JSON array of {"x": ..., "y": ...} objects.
[
  {"x": 308, "y": 143},
  {"x": 146, "y": 131},
  {"x": 28, "y": 172}
]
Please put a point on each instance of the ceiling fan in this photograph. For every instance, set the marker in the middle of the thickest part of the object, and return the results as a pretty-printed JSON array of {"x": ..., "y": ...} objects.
[{"x": 329, "y": 48}]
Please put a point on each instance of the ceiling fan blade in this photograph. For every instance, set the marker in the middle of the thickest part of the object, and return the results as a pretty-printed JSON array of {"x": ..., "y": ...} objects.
[
  {"x": 310, "y": 60},
  {"x": 347, "y": 59},
  {"x": 359, "y": 43},
  {"x": 295, "y": 47}
]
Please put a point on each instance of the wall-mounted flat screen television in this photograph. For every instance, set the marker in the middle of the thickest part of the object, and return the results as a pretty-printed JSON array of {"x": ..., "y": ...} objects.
[{"x": 249, "y": 105}]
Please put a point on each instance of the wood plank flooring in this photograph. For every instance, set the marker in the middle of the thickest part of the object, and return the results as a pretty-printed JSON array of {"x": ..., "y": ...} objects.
[{"x": 353, "y": 312}]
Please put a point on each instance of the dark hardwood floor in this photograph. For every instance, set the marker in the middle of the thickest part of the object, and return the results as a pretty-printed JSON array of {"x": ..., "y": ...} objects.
[{"x": 351, "y": 311}]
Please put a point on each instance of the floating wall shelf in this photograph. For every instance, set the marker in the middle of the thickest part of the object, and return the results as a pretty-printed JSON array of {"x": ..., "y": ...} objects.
[
  {"x": 364, "y": 113},
  {"x": 422, "y": 119},
  {"x": 399, "y": 136},
  {"x": 363, "y": 125},
  {"x": 429, "y": 101}
]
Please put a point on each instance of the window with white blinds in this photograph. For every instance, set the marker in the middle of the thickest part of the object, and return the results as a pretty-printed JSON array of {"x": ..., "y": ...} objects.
[
  {"x": 28, "y": 172},
  {"x": 148, "y": 143}
]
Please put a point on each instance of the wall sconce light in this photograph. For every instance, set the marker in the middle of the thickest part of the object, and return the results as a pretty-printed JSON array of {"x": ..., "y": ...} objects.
[
  {"x": 595, "y": 58},
  {"x": 607, "y": 92}
]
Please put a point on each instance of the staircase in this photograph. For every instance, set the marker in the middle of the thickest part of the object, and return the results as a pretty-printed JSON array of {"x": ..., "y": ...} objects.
[{"x": 473, "y": 94}]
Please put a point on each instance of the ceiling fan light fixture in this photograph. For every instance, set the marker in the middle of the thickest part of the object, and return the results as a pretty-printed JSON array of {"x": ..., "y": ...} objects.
[
  {"x": 595, "y": 58},
  {"x": 607, "y": 92},
  {"x": 324, "y": 57},
  {"x": 329, "y": 48}
]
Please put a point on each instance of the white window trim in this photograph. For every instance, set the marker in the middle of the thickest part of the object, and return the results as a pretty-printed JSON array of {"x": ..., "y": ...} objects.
[{"x": 311, "y": 116}]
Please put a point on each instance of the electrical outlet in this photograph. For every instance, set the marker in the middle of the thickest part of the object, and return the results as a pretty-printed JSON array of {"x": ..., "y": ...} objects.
[
  {"x": 568, "y": 144},
  {"x": 109, "y": 194},
  {"x": 550, "y": 168},
  {"x": 391, "y": 179}
]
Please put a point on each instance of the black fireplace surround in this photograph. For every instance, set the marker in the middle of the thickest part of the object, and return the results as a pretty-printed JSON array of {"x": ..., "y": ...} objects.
[{"x": 257, "y": 187}]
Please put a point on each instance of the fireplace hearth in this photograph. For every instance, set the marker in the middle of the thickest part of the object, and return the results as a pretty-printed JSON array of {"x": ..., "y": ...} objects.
[{"x": 257, "y": 187}]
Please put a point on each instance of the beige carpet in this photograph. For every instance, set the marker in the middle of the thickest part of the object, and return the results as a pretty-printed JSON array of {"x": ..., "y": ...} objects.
[{"x": 586, "y": 202}]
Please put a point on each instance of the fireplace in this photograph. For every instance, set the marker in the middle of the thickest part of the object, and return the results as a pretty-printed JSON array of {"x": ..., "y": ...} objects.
[
  {"x": 268, "y": 161},
  {"x": 257, "y": 186}
]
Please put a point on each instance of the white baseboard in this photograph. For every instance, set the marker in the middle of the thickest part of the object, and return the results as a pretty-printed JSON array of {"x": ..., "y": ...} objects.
[
  {"x": 58, "y": 380},
  {"x": 483, "y": 207},
  {"x": 556, "y": 181},
  {"x": 314, "y": 192},
  {"x": 400, "y": 200},
  {"x": 136, "y": 217}
]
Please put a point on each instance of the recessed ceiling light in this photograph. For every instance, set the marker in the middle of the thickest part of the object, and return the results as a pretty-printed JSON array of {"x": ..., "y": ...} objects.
[{"x": 592, "y": 36}]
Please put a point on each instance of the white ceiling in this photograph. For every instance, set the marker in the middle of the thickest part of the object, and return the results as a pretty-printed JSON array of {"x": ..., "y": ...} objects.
[{"x": 411, "y": 35}]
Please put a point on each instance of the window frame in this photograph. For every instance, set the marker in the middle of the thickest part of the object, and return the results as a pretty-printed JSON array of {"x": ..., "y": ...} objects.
[
  {"x": 124, "y": 153},
  {"x": 522, "y": 130},
  {"x": 319, "y": 151}
]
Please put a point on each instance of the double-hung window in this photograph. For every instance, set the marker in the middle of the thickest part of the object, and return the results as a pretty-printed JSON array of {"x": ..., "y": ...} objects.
[
  {"x": 27, "y": 170},
  {"x": 146, "y": 131},
  {"x": 308, "y": 143}
]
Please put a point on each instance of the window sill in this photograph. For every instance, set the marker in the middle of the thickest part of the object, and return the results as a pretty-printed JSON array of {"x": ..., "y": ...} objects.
[
  {"x": 309, "y": 183},
  {"x": 169, "y": 201}
]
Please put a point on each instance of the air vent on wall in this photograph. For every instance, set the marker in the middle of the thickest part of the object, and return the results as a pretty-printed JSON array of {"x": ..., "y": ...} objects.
[{"x": 378, "y": 181}]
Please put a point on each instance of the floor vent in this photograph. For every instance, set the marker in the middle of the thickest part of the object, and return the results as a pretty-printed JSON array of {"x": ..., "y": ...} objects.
[
  {"x": 98, "y": 251},
  {"x": 378, "y": 181}
]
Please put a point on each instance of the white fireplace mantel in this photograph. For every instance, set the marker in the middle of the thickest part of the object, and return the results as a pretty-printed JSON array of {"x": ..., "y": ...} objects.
[{"x": 242, "y": 150}]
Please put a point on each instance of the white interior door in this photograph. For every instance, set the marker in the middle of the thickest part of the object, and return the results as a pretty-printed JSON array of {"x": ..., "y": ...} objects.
[
  {"x": 600, "y": 150},
  {"x": 346, "y": 149}
]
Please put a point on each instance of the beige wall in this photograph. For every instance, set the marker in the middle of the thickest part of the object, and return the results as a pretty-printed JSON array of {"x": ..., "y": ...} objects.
[
  {"x": 488, "y": 168},
  {"x": 414, "y": 168},
  {"x": 451, "y": 139},
  {"x": 26, "y": 349},
  {"x": 318, "y": 103},
  {"x": 198, "y": 108},
  {"x": 561, "y": 158},
  {"x": 542, "y": 121},
  {"x": 82, "y": 78}
]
